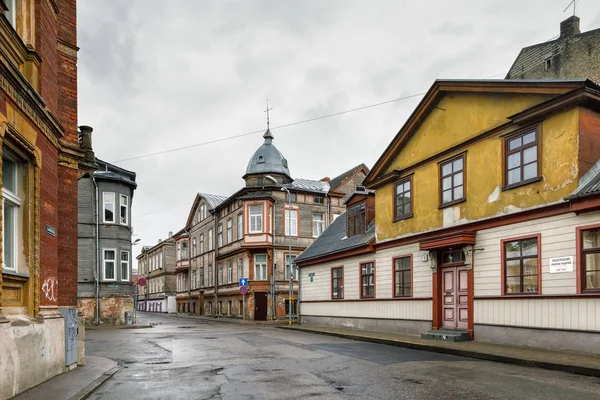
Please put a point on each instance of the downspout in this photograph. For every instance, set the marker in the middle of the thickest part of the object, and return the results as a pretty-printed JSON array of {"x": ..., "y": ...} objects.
[
  {"x": 216, "y": 244},
  {"x": 273, "y": 264},
  {"x": 97, "y": 243}
]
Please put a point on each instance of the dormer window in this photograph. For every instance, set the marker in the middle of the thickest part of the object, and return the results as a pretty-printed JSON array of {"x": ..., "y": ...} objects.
[
  {"x": 356, "y": 219},
  {"x": 284, "y": 162},
  {"x": 260, "y": 160}
]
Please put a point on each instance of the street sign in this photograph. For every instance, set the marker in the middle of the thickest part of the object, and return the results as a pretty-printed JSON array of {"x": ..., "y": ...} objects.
[
  {"x": 142, "y": 281},
  {"x": 243, "y": 281},
  {"x": 311, "y": 276},
  {"x": 243, "y": 290}
]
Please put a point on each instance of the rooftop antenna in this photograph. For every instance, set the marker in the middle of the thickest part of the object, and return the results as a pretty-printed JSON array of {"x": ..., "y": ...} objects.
[
  {"x": 574, "y": 2},
  {"x": 267, "y": 111}
]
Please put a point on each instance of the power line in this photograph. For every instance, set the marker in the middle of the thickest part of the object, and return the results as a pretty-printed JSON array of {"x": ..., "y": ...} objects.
[{"x": 164, "y": 209}]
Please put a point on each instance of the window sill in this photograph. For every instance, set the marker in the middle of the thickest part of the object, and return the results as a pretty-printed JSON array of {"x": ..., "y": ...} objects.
[
  {"x": 522, "y": 183},
  {"x": 15, "y": 274},
  {"x": 452, "y": 203},
  {"x": 403, "y": 217}
]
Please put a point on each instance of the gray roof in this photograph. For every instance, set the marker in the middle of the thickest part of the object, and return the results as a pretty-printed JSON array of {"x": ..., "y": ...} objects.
[
  {"x": 309, "y": 185},
  {"x": 213, "y": 200},
  {"x": 267, "y": 159},
  {"x": 113, "y": 176},
  {"x": 589, "y": 184},
  {"x": 110, "y": 171},
  {"x": 334, "y": 240},
  {"x": 335, "y": 182}
]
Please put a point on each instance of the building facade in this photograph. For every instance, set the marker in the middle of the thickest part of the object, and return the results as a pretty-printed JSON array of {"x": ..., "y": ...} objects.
[
  {"x": 256, "y": 234},
  {"x": 43, "y": 154},
  {"x": 104, "y": 239},
  {"x": 186, "y": 304},
  {"x": 157, "y": 265},
  {"x": 574, "y": 54},
  {"x": 485, "y": 222}
]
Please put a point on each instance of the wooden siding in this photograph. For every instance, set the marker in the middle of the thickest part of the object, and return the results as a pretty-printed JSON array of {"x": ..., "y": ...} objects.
[
  {"x": 392, "y": 309},
  {"x": 572, "y": 314}
]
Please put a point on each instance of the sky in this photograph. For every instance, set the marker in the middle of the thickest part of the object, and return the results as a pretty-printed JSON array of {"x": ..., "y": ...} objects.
[{"x": 162, "y": 75}]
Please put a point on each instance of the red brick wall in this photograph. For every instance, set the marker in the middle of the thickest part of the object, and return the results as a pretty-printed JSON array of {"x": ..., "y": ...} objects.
[
  {"x": 589, "y": 140},
  {"x": 46, "y": 31},
  {"x": 67, "y": 67}
]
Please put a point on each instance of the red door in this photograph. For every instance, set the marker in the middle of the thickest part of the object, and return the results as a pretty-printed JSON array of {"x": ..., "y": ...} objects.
[{"x": 455, "y": 311}]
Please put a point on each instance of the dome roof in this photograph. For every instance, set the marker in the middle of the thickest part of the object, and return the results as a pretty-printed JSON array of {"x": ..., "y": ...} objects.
[{"x": 267, "y": 159}]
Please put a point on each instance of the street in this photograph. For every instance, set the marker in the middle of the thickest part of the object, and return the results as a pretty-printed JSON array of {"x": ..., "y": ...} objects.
[{"x": 199, "y": 358}]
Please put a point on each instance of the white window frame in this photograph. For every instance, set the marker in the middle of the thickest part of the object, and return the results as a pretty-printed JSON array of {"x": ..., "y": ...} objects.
[
  {"x": 210, "y": 276},
  {"x": 121, "y": 206},
  {"x": 240, "y": 223},
  {"x": 294, "y": 221},
  {"x": 210, "y": 240},
  {"x": 160, "y": 261},
  {"x": 105, "y": 260},
  {"x": 288, "y": 266},
  {"x": 316, "y": 230},
  {"x": 229, "y": 231},
  {"x": 260, "y": 275},
  {"x": 229, "y": 271},
  {"x": 123, "y": 263},
  {"x": 194, "y": 247},
  {"x": 105, "y": 202},
  {"x": 15, "y": 201},
  {"x": 255, "y": 219},
  {"x": 219, "y": 274},
  {"x": 220, "y": 235},
  {"x": 240, "y": 267},
  {"x": 202, "y": 243}
]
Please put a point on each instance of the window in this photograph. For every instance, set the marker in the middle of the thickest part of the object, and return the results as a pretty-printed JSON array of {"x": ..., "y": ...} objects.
[
  {"x": 184, "y": 250},
  {"x": 356, "y": 217},
  {"x": 452, "y": 181},
  {"x": 202, "y": 212},
  {"x": 402, "y": 280},
  {"x": 521, "y": 266},
  {"x": 291, "y": 220},
  {"x": 293, "y": 197},
  {"x": 240, "y": 226},
  {"x": 210, "y": 240},
  {"x": 11, "y": 13},
  {"x": 256, "y": 219},
  {"x": 230, "y": 272},
  {"x": 260, "y": 180},
  {"x": 210, "y": 276},
  {"x": 108, "y": 204},
  {"x": 201, "y": 277},
  {"x": 194, "y": 281},
  {"x": 124, "y": 265},
  {"x": 219, "y": 274},
  {"x": 160, "y": 260},
  {"x": 194, "y": 248},
  {"x": 229, "y": 231},
  {"x": 260, "y": 267},
  {"x": 367, "y": 275},
  {"x": 202, "y": 243},
  {"x": 240, "y": 268},
  {"x": 318, "y": 224},
  {"x": 590, "y": 259},
  {"x": 11, "y": 203},
  {"x": 289, "y": 266},
  {"x": 220, "y": 235},
  {"x": 124, "y": 211},
  {"x": 319, "y": 200},
  {"x": 337, "y": 283},
  {"x": 403, "y": 199},
  {"x": 109, "y": 265},
  {"x": 521, "y": 158},
  {"x": 547, "y": 63}
]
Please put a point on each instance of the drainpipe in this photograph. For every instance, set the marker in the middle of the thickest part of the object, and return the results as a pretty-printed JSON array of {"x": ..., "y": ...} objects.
[
  {"x": 97, "y": 270},
  {"x": 216, "y": 244},
  {"x": 273, "y": 281}
]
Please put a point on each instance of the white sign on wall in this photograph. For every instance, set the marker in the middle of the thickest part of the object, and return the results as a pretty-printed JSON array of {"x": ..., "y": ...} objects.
[{"x": 561, "y": 264}]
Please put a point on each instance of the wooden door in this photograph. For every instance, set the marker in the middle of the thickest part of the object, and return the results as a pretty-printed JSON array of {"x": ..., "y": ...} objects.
[
  {"x": 455, "y": 310},
  {"x": 260, "y": 306}
]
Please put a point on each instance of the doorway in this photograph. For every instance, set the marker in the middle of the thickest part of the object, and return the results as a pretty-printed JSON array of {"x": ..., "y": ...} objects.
[
  {"x": 260, "y": 306},
  {"x": 454, "y": 290}
]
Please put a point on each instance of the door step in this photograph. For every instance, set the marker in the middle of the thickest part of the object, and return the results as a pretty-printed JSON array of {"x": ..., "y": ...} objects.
[{"x": 447, "y": 335}]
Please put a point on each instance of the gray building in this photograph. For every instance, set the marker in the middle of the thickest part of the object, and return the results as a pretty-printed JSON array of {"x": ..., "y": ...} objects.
[
  {"x": 574, "y": 54},
  {"x": 104, "y": 241},
  {"x": 157, "y": 264}
]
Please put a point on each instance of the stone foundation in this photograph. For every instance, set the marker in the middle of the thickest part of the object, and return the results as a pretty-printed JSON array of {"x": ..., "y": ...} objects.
[{"x": 112, "y": 309}]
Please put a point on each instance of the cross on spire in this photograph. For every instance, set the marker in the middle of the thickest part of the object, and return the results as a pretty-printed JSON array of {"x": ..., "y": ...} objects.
[
  {"x": 267, "y": 111},
  {"x": 574, "y": 2}
]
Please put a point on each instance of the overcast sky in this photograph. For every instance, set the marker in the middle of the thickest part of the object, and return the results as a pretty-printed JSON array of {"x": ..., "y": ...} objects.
[{"x": 156, "y": 75}]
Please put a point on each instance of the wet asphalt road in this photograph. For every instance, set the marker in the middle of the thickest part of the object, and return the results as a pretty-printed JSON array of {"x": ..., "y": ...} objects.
[{"x": 192, "y": 358}]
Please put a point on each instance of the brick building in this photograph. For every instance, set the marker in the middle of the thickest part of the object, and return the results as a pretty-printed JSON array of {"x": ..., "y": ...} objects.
[
  {"x": 247, "y": 235},
  {"x": 42, "y": 157},
  {"x": 574, "y": 54},
  {"x": 105, "y": 267},
  {"x": 157, "y": 265}
]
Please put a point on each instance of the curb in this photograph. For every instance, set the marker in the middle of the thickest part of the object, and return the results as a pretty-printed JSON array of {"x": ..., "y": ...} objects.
[
  {"x": 92, "y": 387},
  {"x": 116, "y": 327},
  {"x": 573, "y": 369}
]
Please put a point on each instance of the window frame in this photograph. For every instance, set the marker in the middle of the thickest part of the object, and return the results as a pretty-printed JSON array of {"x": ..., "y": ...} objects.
[
  {"x": 210, "y": 240},
  {"x": 240, "y": 226},
  {"x": 261, "y": 263},
  {"x": 128, "y": 262},
  {"x": 201, "y": 276},
  {"x": 240, "y": 267},
  {"x": 334, "y": 279},
  {"x": 16, "y": 202},
  {"x": 361, "y": 275},
  {"x": 288, "y": 267},
  {"x": 322, "y": 221},
  {"x": 114, "y": 204},
  {"x": 211, "y": 282},
  {"x": 580, "y": 265},
  {"x": 257, "y": 217},
  {"x": 410, "y": 276},
  {"x": 503, "y": 274},
  {"x": 121, "y": 206},
  {"x": 105, "y": 260},
  {"x": 441, "y": 165},
  {"x": 355, "y": 231},
  {"x": 230, "y": 271},
  {"x": 229, "y": 230},
  {"x": 411, "y": 191},
  {"x": 194, "y": 247},
  {"x": 538, "y": 142},
  {"x": 288, "y": 230},
  {"x": 220, "y": 235},
  {"x": 202, "y": 243}
]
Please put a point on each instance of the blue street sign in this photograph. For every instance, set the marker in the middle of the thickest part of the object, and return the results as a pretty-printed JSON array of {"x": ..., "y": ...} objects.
[{"x": 243, "y": 281}]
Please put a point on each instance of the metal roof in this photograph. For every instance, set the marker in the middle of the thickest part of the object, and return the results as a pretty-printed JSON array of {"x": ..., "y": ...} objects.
[
  {"x": 267, "y": 159},
  {"x": 335, "y": 182},
  {"x": 589, "y": 184},
  {"x": 309, "y": 185},
  {"x": 213, "y": 200},
  {"x": 113, "y": 176},
  {"x": 333, "y": 240}
]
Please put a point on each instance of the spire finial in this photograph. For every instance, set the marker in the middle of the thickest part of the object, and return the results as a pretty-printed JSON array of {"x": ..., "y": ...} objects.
[{"x": 267, "y": 111}]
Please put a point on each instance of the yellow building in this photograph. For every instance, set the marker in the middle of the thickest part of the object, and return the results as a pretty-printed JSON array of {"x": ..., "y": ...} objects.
[{"x": 485, "y": 214}]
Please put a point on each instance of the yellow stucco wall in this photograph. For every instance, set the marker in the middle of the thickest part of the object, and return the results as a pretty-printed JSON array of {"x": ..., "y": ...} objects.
[{"x": 484, "y": 164}]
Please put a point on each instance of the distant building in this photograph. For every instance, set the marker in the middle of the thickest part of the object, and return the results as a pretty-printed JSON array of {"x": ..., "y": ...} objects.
[
  {"x": 104, "y": 259},
  {"x": 574, "y": 54},
  {"x": 157, "y": 265}
]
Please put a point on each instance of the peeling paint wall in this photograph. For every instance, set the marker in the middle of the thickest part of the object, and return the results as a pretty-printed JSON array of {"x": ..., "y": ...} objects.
[
  {"x": 112, "y": 309},
  {"x": 464, "y": 118},
  {"x": 31, "y": 352}
]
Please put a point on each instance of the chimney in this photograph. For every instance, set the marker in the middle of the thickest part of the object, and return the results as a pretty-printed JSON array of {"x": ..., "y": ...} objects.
[
  {"x": 569, "y": 27},
  {"x": 85, "y": 142},
  {"x": 170, "y": 234}
]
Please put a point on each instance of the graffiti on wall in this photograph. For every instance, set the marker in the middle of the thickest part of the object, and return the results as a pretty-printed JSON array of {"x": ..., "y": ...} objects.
[{"x": 50, "y": 287}]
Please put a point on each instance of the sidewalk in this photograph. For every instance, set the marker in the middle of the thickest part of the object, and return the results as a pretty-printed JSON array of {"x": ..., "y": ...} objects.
[
  {"x": 235, "y": 320},
  {"x": 576, "y": 363},
  {"x": 76, "y": 384}
]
